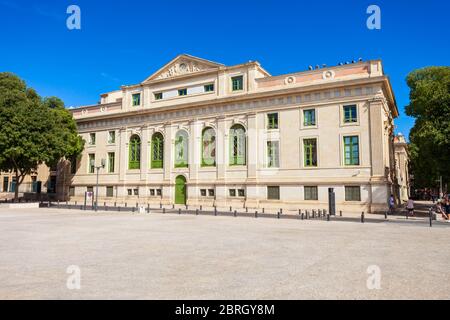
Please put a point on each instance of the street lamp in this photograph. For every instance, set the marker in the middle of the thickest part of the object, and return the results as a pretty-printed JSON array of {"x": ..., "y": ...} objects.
[{"x": 102, "y": 166}]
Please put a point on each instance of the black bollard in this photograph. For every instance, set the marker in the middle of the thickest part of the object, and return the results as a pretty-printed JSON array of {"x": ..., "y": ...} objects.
[
  {"x": 263, "y": 211},
  {"x": 196, "y": 212},
  {"x": 385, "y": 215},
  {"x": 164, "y": 210},
  {"x": 340, "y": 213},
  {"x": 307, "y": 214},
  {"x": 278, "y": 214},
  {"x": 148, "y": 207},
  {"x": 132, "y": 210},
  {"x": 201, "y": 208},
  {"x": 281, "y": 211},
  {"x": 256, "y": 214},
  {"x": 235, "y": 213},
  {"x": 119, "y": 208},
  {"x": 179, "y": 211},
  {"x": 231, "y": 209},
  {"x": 362, "y": 217},
  {"x": 314, "y": 214},
  {"x": 328, "y": 217},
  {"x": 246, "y": 210},
  {"x": 302, "y": 216},
  {"x": 431, "y": 218},
  {"x": 215, "y": 211}
]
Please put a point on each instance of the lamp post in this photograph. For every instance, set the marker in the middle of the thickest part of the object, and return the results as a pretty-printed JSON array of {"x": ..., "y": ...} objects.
[{"x": 103, "y": 164}]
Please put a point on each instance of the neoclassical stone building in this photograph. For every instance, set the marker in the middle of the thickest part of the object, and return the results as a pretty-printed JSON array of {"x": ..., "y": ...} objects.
[{"x": 199, "y": 132}]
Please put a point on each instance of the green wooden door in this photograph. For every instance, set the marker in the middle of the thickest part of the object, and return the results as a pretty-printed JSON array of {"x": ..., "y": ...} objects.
[{"x": 180, "y": 190}]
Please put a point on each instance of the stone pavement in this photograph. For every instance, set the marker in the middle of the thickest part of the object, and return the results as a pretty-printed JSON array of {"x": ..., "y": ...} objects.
[{"x": 155, "y": 256}]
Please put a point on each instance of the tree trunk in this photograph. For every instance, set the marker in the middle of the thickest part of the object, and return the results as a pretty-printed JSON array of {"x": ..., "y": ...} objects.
[{"x": 16, "y": 189}]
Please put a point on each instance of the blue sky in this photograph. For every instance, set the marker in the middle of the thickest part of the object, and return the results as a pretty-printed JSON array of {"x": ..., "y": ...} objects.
[{"x": 124, "y": 42}]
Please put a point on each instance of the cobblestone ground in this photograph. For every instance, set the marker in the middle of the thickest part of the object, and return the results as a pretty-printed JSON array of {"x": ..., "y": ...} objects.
[{"x": 142, "y": 256}]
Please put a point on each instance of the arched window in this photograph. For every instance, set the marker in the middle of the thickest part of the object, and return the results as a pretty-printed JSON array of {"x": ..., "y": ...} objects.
[
  {"x": 134, "y": 161},
  {"x": 209, "y": 147},
  {"x": 157, "y": 151},
  {"x": 181, "y": 149},
  {"x": 238, "y": 154}
]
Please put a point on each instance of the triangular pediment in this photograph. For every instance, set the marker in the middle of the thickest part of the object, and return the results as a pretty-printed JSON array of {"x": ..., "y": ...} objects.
[{"x": 182, "y": 65}]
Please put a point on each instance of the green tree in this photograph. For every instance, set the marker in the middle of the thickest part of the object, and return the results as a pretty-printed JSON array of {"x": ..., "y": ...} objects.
[
  {"x": 33, "y": 130},
  {"x": 430, "y": 136}
]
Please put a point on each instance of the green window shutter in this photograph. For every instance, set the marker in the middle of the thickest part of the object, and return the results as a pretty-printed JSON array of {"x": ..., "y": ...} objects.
[
  {"x": 208, "y": 148},
  {"x": 157, "y": 150},
  {"x": 181, "y": 150},
  {"x": 351, "y": 150},
  {"x": 350, "y": 114},
  {"x": 134, "y": 161},
  {"x": 111, "y": 162},
  {"x": 237, "y": 145},
  {"x": 310, "y": 152},
  {"x": 309, "y": 117}
]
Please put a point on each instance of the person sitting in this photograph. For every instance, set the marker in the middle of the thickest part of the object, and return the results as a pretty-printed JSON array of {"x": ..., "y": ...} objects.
[{"x": 441, "y": 210}]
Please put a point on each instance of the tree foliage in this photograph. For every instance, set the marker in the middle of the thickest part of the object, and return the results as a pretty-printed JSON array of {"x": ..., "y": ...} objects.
[
  {"x": 33, "y": 130},
  {"x": 430, "y": 137}
]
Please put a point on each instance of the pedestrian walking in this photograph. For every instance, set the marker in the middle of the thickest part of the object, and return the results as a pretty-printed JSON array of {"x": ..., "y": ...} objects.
[
  {"x": 410, "y": 207},
  {"x": 391, "y": 204}
]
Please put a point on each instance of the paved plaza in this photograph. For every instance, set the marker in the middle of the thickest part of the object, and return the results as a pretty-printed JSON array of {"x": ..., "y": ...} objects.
[{"x": 155, "y": 256}]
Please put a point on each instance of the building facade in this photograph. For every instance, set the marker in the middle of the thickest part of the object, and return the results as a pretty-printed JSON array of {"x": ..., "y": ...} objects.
[{"x": 197, "y": 132}]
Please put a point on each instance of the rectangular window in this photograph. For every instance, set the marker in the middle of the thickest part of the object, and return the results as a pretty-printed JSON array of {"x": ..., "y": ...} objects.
[
  {"x": 182, "y": 92},
  {"x": 273, "y": 160},
  {"x": 272, "y": 121},
  {"x": 311, "y": 193},
  {"x": 352, "y": 194},
  {"x": 130, "y": 192},
  {"x": 211, "y": 192},
  {"x": 136, "y": 192},
  {"x": 351, "y": 151},
  {"x": 152, "y": 192},
  {"x": 237, "y": 83},
  {"x": 273, "y": 193},
  {"x": 136, "y": 99},
  {"x": 91, "y": 163},
  {"x": 158, "y": 96},
  {"x": 203, "y": 192},
  {"x": 111, "y": 162},
  {"x": 90, "y": 189},
  {"x": 310, "y": 152},
  {"x": 111, "y": 137},
  {"x": 309, "y": 118},
  {"x": 159, "y": 192},
  {"x": 209, "y": 88},
  {"x": 350, "y": 114},
  {"x": 232, "y": 192},
  {"x": 71, "y": 191},
  {"x": 109, "y": 192},
  {"x": 241, "y": 193},
  {"x": 92, "y": 139}
]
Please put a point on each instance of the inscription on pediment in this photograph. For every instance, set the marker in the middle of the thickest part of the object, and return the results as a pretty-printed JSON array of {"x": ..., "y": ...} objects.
[{"x": 182, "y": 67}]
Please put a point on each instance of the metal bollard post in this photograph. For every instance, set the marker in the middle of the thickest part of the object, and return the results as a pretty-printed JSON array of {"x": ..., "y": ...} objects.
[
  {"x": 263, "y": 211},
  {"x": 115, "y": 204},
  {"x": 231, "y": 209},
  {"x": 281, "y": 210},
  {"x": 431, "y": 218},
  {"x": 215, "y": 211},
  {"x": 235, "y": 213},
  {"x": 164, "y": 210},
  {"x": 119, "y": 208},
  {"x": 385, "y": 215},
  {"x": 256, "y": 214},
  {"x": 246, "y": 210},
  {"x": 187, "y": 207},
  {"x": 148, "y": 207},
  {"x": 126, "y": 204},
  {"x": 340, "y": 213},
  {"x": 179, "y": 211},
  {"x": 362, "y": 217},
  {"x": 201, "y": 208},
  {"x": 328, "y": 217},
  {"x": 302, "y": 216},
  {"x": 132, "y": 209},
  {"x": 314, "y": 214},
  {"x": 196, "y": 212},
  {"x": 278, "y": 215}
]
